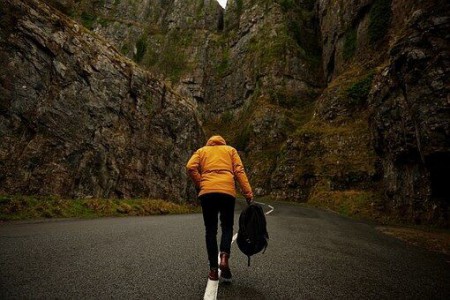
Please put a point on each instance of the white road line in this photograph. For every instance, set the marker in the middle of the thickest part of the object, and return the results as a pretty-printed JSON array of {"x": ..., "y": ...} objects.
[
  {"x": 211, "y": 289},
  {"x": 234, "y": 238},
  {"x": 270, "y": 206},
  {"x": 212, "y": 286}
]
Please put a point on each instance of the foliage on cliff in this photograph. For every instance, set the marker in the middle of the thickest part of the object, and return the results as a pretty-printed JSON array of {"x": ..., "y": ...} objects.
[{"x": 37, "y": 207}]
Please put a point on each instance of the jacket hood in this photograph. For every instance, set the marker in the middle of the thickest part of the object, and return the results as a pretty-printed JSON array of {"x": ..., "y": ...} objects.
[{"x": 215, "y": 141}]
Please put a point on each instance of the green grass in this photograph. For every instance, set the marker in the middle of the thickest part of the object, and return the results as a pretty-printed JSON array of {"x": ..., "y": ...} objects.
[
  {"x": 102, "y": 21},
  {"x": 358, "y": 92},
  {"x": 141, "y": 47},
  {"x": 359, "y": 204},
  {"x": 38, "y": 207},
  {"x": 88, "y": 20},
  {"x": 125, "y": 49}
]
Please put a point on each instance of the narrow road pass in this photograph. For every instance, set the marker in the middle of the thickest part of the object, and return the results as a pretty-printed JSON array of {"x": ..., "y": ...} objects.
[{"x": 312, "y": 254}]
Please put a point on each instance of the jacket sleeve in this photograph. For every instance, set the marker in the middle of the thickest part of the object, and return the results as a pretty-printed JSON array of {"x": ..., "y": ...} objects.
[
  {"x": 193, "y": 169},
  {"x": 241, "y": 177}
]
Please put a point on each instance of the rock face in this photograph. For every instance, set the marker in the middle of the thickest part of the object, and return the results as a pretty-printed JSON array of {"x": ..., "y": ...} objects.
[
  {"x": 252, "y": 72},
  {"x": 271, "y": 79},
  {"x": 329, "y": 102},
  {"x": 381, "y": 126},
  {"x": 77, "y": 119},
  {"x": 172, "y": 39},
  {"x": 411, "y": 117}
]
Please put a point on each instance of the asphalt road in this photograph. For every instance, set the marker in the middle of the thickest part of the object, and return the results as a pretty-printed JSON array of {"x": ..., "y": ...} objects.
[{"x": 312, "y": 254}]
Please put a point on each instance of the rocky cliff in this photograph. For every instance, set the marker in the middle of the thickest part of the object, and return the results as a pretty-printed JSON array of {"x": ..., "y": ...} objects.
[
  {"x": 339, "y": 103},
  {"x": 378, "y": 140},
  {"x": 410, "y": 114},
  {"x": 250, "y": 71},
  {"x": 78, "y": 119}
]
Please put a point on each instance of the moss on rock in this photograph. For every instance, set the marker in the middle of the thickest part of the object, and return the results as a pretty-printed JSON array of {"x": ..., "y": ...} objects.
[{"x": 358, "y": 92}]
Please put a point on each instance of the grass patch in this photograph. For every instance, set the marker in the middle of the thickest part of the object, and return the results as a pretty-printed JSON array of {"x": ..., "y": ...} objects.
[
  {"x": 38, "y": 207},
  {"x": 431, "y": 239},
  {"x": 125, "y": 49},
  {"x": 141, "y": 47},
  {"x": 88, "y": 20},
  {"x": 358, "y": 92},
  {"x": 103, "y": 22},
  {"x": 352, "y": 203}
]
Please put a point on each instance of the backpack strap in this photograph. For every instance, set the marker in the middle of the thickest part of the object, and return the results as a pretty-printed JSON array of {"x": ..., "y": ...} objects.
[
  {"x": 265, "y": 247},
  {"x": 248, "y": 263}
]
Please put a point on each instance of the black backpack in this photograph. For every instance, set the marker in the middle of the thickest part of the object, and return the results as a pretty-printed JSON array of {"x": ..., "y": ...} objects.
[{"x": 252, "y": 235}]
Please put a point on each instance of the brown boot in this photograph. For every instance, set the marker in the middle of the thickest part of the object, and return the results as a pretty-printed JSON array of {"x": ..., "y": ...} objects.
[
  {"x": 213, "y": 274},
  {"x": 225, "y": 273}
]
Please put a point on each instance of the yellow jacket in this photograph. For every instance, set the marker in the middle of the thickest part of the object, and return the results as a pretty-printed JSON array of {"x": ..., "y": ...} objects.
[{"x": 214, "y": 168}]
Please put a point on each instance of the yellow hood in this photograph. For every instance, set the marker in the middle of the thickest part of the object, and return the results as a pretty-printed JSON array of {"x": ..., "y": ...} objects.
[{"x": 216, "y": 140}]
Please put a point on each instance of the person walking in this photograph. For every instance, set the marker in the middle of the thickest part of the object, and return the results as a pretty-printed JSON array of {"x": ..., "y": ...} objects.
[{"x": 214, "y": 169}]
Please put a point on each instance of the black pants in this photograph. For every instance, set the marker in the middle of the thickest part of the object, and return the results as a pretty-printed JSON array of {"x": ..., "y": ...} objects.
[{"x": 212, "y": 205}]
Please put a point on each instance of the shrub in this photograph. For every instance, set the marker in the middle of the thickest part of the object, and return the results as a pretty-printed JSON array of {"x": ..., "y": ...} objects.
[
  {"x": 103, "y": 22},
  {"x": 150, "y": 58},
  {"x": 88, "y": 20},
  {"x": 141, "y": 47},
  {"x": 358, "y": 92}
]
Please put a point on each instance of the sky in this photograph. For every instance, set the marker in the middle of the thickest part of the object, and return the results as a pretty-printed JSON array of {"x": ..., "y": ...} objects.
[{"x": 223, "y": 3}]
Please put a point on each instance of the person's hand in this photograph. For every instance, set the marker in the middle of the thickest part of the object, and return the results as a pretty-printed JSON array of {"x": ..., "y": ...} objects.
[{"x": 249, "y": 200}]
